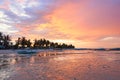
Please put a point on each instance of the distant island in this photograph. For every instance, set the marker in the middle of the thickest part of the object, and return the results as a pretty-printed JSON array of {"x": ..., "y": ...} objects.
[
  {"x": 99, "y": 49},
  {"x": 22, "y": 43}
]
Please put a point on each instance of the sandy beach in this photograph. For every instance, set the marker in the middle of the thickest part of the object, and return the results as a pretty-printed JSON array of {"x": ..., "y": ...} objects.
[{"x": 60, "y": 65}]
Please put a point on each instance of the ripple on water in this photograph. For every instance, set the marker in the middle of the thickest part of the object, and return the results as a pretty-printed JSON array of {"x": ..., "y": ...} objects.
[{"x": 62, "y": 66}]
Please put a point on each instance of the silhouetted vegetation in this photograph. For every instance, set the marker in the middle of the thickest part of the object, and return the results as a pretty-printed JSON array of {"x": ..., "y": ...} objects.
[
  {"x": 114, "y": 49},
  {"x": 40, "y": 44},
  {"x": 5, "y": 41},
  {"x": 22, "y": 42}
]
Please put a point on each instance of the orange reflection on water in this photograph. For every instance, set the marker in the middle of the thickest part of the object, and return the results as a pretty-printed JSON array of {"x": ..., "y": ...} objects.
[
  {"x": 32, "y": 59},
  {"x": 13, "y": 61},
  {"x": 67, "y": 66}
]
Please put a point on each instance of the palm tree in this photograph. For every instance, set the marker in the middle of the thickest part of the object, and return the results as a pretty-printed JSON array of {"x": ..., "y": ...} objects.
[
  {"x": 1, "y": 39},
  {"x": 56, "y": 45},
  {"x": 18, "y": 43},
  {"x": 29, "y": 43},
  {"x": 40, "y": 42},
  {"x": 71, "y": 46},
  {"x": 23, "y": 42},
  {"x": 52, "y": 45},
  {"x": 6, "y": 41},
  {"x": 35, "y": 45},
  {"x": 44, "y": 43},
  {"x": 47, "y": 44}
]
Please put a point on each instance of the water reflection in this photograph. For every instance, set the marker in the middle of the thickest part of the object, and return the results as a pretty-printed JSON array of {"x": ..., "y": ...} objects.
[
  {"x": 61, "y": 65},
  {"x": 32, "y": 59},
  {"x": 45, "y": 54},
  {"x": 6, "y": 65},
  {"x": 13, "y": 61}
]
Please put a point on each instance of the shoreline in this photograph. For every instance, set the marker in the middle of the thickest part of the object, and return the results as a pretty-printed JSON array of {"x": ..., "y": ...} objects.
[{"x": 15, "y": 51}]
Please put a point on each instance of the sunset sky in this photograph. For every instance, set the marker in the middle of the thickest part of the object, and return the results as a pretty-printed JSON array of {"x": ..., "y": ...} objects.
[{"x": 84, "y": 23}]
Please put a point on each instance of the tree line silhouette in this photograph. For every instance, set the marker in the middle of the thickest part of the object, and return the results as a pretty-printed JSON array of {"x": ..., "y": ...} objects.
[
  {"x": 22, "y": 42},
  {"x": 5, "y": 41}
]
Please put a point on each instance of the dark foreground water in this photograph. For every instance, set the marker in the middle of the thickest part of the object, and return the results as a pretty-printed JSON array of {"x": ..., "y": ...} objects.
[{"x": 61, "y": 65}]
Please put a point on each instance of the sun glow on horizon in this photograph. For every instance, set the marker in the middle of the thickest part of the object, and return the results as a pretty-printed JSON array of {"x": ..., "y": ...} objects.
[{"x": 83, "y": 23}]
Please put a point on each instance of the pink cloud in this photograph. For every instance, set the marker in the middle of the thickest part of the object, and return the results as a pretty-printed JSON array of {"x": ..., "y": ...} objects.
[
  {"x": 5, "y": 5},
  {"x": 84, "y": 21}
]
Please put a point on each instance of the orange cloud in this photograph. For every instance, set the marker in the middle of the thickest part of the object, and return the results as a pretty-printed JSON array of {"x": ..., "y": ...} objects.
[{"x": 83, "y": 23}]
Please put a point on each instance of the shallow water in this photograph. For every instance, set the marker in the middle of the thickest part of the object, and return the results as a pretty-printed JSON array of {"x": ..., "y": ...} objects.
[{"x": 61, "y": 65}]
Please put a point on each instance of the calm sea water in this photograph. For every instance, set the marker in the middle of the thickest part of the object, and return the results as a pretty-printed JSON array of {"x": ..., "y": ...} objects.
[{"x": 61, "y": 65}]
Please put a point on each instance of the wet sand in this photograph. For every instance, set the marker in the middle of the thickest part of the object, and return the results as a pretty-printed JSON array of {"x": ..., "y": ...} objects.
[{"x": 61, "y": 65}]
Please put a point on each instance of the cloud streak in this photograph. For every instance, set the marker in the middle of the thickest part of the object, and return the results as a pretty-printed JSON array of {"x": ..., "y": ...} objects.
[{"x": 85, "y": 23}]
